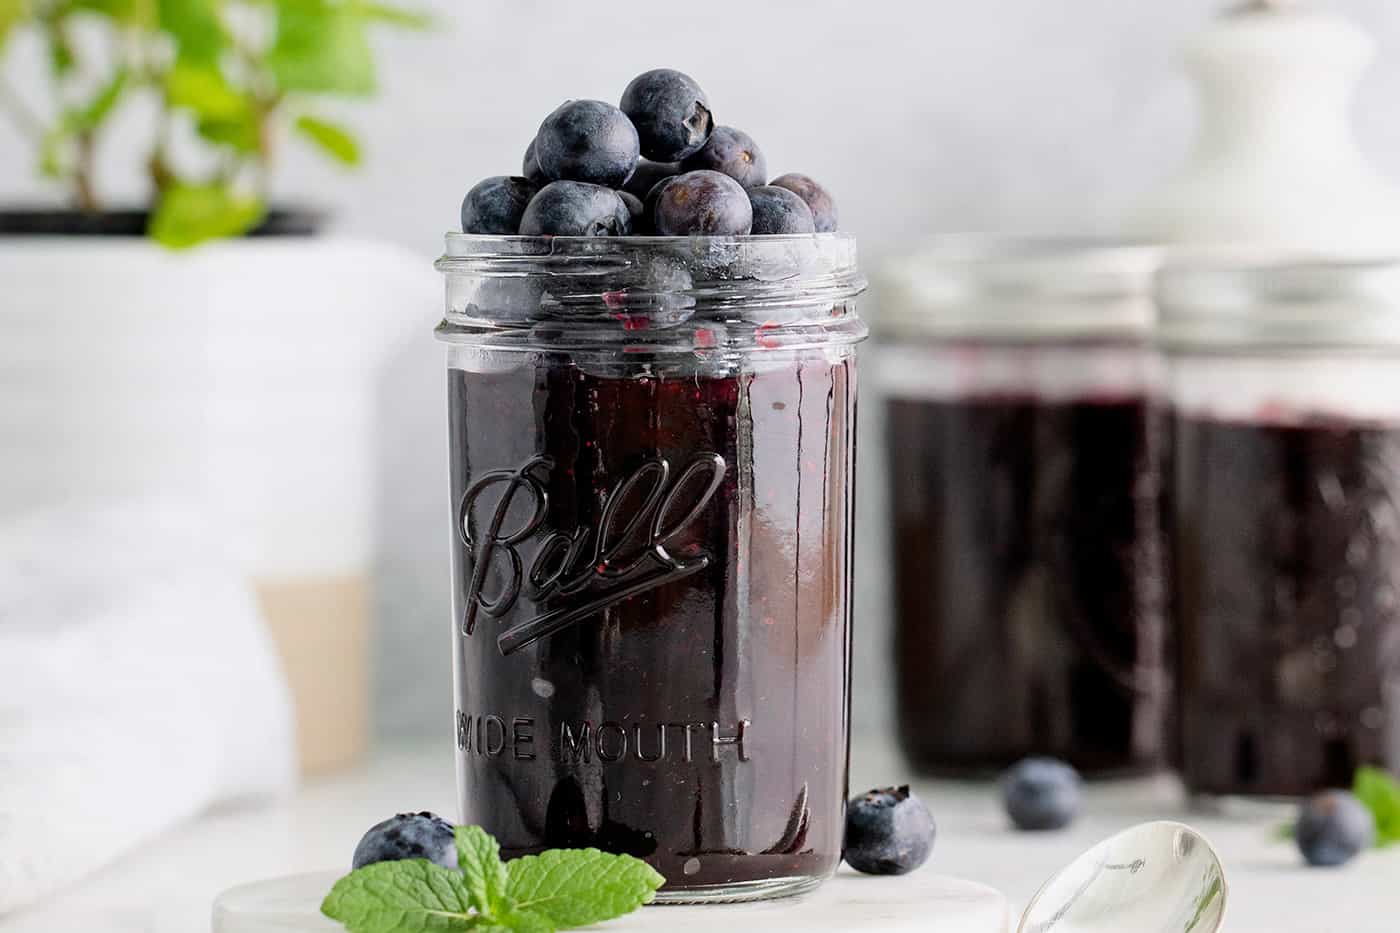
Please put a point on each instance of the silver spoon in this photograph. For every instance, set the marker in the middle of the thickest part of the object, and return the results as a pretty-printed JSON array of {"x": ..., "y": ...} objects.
[{"x": 1153, "y": 878}]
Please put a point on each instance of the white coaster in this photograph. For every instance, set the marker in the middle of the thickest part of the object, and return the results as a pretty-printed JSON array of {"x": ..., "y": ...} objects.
[{"x": 849, "y": 903}]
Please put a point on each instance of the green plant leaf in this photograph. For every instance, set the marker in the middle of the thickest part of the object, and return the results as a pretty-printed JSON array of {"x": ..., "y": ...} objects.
[
  {"x": 89, "y": 117},
  {"x": 188, "y": 215},
  {"x": 131, "y": 12},
  {"x": 195, "y": 26},
  {"x": 409, "y": 896},
  {"x": 479, "y": 857},
  {"x": 578, "y": 887},
  {"x": 204, "y": 90},
  {"x": 12, "y": 13},
  {"x": 321, "y": 48},
  {"x": 1380, "y": 792},
  {"x": 333, "y": 140},
  {"x": 61, "y": 57},
  {"x": 51, "y": 153},
  {"x": 241, "y": 134},
  {"x": 391, "y": 15}
]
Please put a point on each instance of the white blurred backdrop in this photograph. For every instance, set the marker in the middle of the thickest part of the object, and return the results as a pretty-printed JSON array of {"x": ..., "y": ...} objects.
[{"x": 937, "y": 115}]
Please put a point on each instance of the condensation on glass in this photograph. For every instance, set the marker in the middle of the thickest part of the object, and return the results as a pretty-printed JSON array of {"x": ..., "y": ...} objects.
[{"x": 652, "y": 445}]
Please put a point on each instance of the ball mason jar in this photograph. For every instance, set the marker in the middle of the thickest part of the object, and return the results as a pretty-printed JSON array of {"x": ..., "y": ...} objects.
[
  {"x": 1285, "y": 389},
  {"x": 1024, "y": 449},
  {"x": 651, "y": 477}
]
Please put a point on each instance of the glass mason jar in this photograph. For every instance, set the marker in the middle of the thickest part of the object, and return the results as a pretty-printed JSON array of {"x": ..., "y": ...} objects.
[
  {"x": 651, "y": 465},
  {"x": 1024, "y": 442},
  {"x": 1285, "y": 386}
]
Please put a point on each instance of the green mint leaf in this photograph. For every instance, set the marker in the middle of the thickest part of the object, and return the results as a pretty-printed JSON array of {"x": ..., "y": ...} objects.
[
  {"x": 578, "y": 887},
  {"x": 333, "y": 140},
  {"x": 1380, "y": 792},
  {"x": 409, "y": 896},
  {"x": 483, "y": 872},
  {"x": 187, "y": 215}
]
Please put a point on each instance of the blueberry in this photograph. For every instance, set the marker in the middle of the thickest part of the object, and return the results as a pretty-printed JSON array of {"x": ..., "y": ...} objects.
[
  {"x": 646, "y": 176},
  {"x": 496, "y": 204},
  {"x": 1333, "y": 827},
  {"x": 635, "y": 211},
  {"x": 703, "y": 202},
  {"x": 587, "y": 140},
  {"x": 670, "y": 112},
  {"x": 817, "y": 198},
  {"x": 732, "y": 152},
  {"x": 1041, "y": 793},
  {"x": 778, "y": 210},
  {"x": 576, "y": 208},
  {"x": 888, "y": 832},
  {"x": 530, "y": 166},
  {"x": 408, "y": 835}
]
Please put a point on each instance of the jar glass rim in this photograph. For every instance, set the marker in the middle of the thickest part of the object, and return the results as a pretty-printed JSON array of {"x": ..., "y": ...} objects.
[
  {"x": 652, "y": 293},
  {"x": 1008, "y": 285},
  {"x": 1245, "y": 298}
]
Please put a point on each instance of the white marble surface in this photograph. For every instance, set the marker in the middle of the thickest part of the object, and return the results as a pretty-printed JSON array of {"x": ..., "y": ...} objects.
[
  {"x": 169, "y": 886},
  {"x": 849, "y": 903}
]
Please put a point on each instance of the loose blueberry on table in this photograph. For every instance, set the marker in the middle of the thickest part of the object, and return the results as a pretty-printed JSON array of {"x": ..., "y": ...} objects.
[
  {"x": 606, "y": 156},
  {"x": 1333, "y": 827},
  {"x": 1042, "y": 793},
  {"x": 889, "y": 831},
  {"x": 408, "y": 835}
]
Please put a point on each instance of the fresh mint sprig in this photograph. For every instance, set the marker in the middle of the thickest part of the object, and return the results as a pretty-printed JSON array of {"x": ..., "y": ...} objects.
[{"x": 555, "y": 890}]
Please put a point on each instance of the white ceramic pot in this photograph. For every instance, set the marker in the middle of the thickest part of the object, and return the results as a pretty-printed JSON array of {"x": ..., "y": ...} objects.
[{"x": 241, "y": 375}]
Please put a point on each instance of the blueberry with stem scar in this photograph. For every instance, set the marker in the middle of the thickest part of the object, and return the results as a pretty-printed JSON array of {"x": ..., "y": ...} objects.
[
  {"x": 576, "y": 208},
  {"x": 587, "y": 140},
  {"x": 732, "y": 152},
  {"x": 705, "y": 203},
  {"x": 496, "y": 204},
  {"x": 670, "y": 112},
  {"x": 889, "y": 831},
  {"x": 408, "y": 835}
]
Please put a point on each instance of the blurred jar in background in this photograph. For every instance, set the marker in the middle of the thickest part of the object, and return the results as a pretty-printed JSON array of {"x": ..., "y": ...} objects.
[
  {"x": 1024, "y": 454},
  {"x": 1285, "y": 383}
]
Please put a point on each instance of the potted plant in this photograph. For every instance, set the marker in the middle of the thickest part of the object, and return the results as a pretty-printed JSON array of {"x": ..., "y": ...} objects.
[{"x": 240, "y": 375}]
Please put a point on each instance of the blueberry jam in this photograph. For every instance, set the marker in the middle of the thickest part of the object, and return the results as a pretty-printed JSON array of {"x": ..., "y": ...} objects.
[
  {"x": 1029, "y": 582},
  {"x": 1287, "y": 592},
  {"x": 651, "y": 574}
]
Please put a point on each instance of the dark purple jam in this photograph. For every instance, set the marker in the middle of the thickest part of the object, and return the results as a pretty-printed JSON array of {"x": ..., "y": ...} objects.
[
  {"x": 654, "y": 571},
  {"x": 1029, "y": 582},
  {"x": 1287, "y": 563}
]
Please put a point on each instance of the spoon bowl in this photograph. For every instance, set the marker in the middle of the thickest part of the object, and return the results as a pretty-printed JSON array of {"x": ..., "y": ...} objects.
[{"x": 1160, "y": 877}]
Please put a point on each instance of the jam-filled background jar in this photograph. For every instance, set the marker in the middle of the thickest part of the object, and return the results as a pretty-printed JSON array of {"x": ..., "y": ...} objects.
[
  {"x": 1285, "y": 388},
  {"x": 651, "y": 465},
  {"x": 1024, "y": 450}
]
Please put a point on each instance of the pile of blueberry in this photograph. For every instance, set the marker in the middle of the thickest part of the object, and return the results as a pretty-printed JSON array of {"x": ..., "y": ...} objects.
[{"x": 655, "y": 166}]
